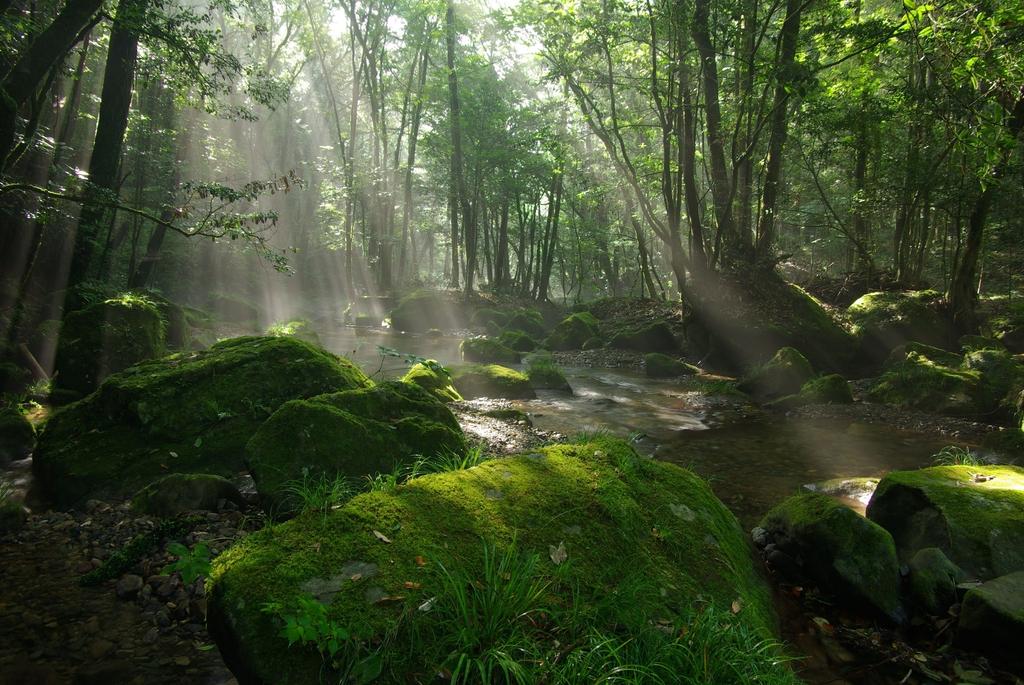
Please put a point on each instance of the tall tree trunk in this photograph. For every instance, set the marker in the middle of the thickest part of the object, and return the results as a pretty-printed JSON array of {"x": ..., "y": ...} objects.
[
  {"x": 769, "y": 223},
  {"x": 457, "y": 184},
  {"x": 47, "y": 51},
  {"x": 110, "y": 129}
]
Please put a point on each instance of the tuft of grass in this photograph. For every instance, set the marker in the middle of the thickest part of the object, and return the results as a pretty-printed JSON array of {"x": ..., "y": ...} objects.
[
  {"x": 6, "y": 491},
  {"x": 319, "y": 493},
  {"x": 448, "y": 461},
  {"x": 484, "y": 622},
  {"x": 953, "y": 455}
]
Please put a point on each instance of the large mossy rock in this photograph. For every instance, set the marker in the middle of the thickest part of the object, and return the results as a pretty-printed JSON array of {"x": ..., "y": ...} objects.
[
  {"x": 652, "y": 337},
  {"x": 601, "y": 520},
  {"x": 185, "y": 413},
  {"x": 351, "y": 434},
  {"x": 104, "y": 338},
  {"x": 492, "y": 380},
  {"x": 974, "y": 514},
  {"x": 233, "y": 309},
  {"x": 658, "y": 365},
  {"x": 840, "y": 550},
  {"x": 488, "y": 351},
  {"x": 544, "y": 373},
  {"x": 1001, "y": 376},
  {"x": 180, "y": 493},
  {"x": 433, "y": 378},
  {"x": 882, "y": 321},
  {"x": 572, "y": 332},
  {"x": 738, "y": 321},
  {"x": 425, "y": 309},
  {"x": 933, "y": 580},
  {"x": 783, "y": 374},
  {"x": 518, "y": 341},
  {"x": 529, "y": 321},
  {"x": 829, "y": 389},
  {"x": 920, "y": 382},
  {"x": 992, "y": 619},
  {"x": 17, "y": 436}
]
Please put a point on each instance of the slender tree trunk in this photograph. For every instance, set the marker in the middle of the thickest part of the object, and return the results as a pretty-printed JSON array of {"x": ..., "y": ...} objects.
[
  {"x": 110, "y": 129},
  {"x": 457, "y": 184}
]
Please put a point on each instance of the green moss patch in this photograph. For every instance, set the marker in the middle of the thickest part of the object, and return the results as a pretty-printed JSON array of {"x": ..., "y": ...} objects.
[
  {"x": 185, "y": 413},
  {"x": 544, "y": 373},
  {"x": 492, "y": 380},
  {"x": 180, "y": 493},
  {"x": 840, "y": 550},
  {"x": 572, "y": 332},
  {"x": 784, "y": 374},
  {"x": 974, "y": 514},
  {"x": 104, "y": 338},
  {"x": 603, "y": 522},
  {"x": 488, "y": 351},
  {"x": 351, "y": 434},
  {"x": 17, "y": 436},
  {"x": 917, "y": 382},
  {"x": 296, "y": 328},
  {"x": 992, "y": 619},
  {"x": 882, "y": 321},
  {"x": 518, "y": 341},
  {"x": 435, "y": 379},
  {"x": 655, "y": 336}
]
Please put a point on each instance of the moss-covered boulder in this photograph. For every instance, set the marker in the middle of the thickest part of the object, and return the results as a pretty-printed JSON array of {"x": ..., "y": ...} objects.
[
  {"x": 544, "y": 374},
  {"x": 185, "y": 413},
  {"x": 595, "y": 343},
  {"x": 486, "y": 317},
  {"x": 655, "y": 336},
  {"x": 425, "y": 309},
  {"x": 572, "y": 332},
  {"x": 17, "y": 436},
  {"x": 882, "y": 321},
  {"x": 740, "y": 319},
  {"x": 105, "y": 338},
  {"x": 1013, "y": 339},
  {"x": 658, "y": 365},
  {"x": 992, "y": 619},
  {"x": 621, "y": 540},
  {"x": 830, "y": 389},
  {"x": 529, "y": 321},
  {"x": 295, "y": 328},
  {"x": 935, "y": 355},
  {"x": 933, "y": 580},
  {"x": 492, "y": 380},
  {"x": 974, "y": 514},
  {"x": 488, "y": 351},
  {"x": 918, "y": 382},
  {"x": 433, "y": 378},
  {"x": 784, "y": 374},
  {"x": 180, "y": 493},
  {"x": 351, "y": 434},
  {"x": 840, "y": 550},
  {"x": 999, "y": 375},
  {"x": 14, "y": 378},
  {"x": 518, "y": 341}
]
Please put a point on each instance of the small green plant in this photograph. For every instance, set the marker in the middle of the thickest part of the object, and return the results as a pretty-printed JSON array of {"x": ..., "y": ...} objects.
[
  {"x": 954, "y": 455},
  {"x": 6, "y": 491},
  {"x": 191, "y": 564},
  {"x": 484, "y": 620},
  {"x": 448, "y": 461},
  {"x": 309, "y": 625},
  {"x": 319, "y": 493}
]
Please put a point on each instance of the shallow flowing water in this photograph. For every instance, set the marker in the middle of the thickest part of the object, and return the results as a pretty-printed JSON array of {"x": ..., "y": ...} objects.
[{"x": 753, "y": 459}]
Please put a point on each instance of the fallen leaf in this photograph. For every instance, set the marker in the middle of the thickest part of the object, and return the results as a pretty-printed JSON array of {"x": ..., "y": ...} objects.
[
  {"x": 410, "y": 585},
  {"x": 381, "y": 536},
  {"x": 558, "y": 554},
  {"x": 427, "y": 605},
  {"x": 174, "y": 454},
  {"x": 420, "y": 561},
  {"x": 355, "y": 576},
  {"x": 390, "y": 599},
  {"x": 737, "y": 606}
]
